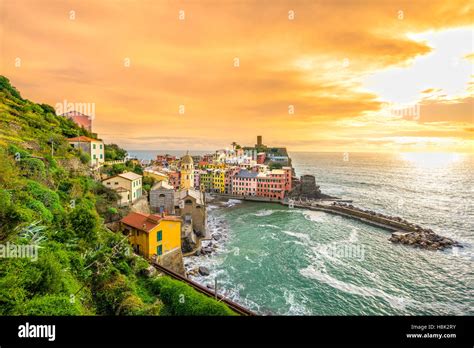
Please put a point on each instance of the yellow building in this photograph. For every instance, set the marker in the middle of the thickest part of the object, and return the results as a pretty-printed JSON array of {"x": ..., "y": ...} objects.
[
  {"x": 213, "y": 180},
  {"x": 153, "y": 236},
  {"x": 155, "y": 174},
  {"x": 187, "y": 172},
  {"x": 215, "y": 165},
  {"x": 218, "y": 181}
]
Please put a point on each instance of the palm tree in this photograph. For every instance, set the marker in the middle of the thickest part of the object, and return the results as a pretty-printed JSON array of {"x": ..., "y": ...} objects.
[{"x": 233, "y": 145}]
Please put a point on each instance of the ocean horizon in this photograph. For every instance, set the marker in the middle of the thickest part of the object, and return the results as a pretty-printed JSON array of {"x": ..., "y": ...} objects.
[{"x": 277, "y": 260}]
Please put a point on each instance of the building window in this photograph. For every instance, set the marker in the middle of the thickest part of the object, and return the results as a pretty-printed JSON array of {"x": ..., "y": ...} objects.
[
  {"x": 159, "y": 236},
  {"x": 159, "y": 250},
  {"x": 101, "y": 146},
  {"x": 100, "y": 156},
  {"x": 93, "y": 146}
]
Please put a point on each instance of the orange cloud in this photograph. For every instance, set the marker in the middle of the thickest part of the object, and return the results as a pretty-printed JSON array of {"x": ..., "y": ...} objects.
[{"x": 315, "y": 63}]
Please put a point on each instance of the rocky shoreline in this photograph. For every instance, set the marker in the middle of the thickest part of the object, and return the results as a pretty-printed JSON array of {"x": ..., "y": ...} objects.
[
  {"x": 196, "y": 265},
  {"x": 410, "y": 233}
]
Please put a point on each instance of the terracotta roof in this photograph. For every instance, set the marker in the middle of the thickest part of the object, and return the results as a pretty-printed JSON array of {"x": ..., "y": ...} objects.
[
  {"x": 82, "y": 138},
  {"x": 140, "y": 221},
  {"x": 146, "y": 222}
]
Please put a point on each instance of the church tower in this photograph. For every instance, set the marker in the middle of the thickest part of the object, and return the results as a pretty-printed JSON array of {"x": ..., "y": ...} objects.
[{"x": 187, "y": 172}]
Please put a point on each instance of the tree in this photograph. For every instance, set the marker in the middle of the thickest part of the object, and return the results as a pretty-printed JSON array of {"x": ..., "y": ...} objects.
[
  {"x": 113, "y": 152},
  {"x": 85, "y": 223}
]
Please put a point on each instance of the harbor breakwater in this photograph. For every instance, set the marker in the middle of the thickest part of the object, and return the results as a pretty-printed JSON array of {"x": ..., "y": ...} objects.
[{"x": 403, "y": 231}]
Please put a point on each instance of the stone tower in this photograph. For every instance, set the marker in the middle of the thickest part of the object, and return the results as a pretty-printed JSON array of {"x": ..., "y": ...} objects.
[{"x": 187, "y": 172}]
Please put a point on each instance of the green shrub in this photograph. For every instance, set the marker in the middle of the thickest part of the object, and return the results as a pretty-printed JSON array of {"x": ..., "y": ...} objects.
[
  {"x": 49, "y": 198},
  {"x": 52, "y": 305},
  {"x": 181, "y": 299},
  {"x": 41, "y": 211},
  {"x": 51, "y": 273},
  {"x": 84, "y": 222}
]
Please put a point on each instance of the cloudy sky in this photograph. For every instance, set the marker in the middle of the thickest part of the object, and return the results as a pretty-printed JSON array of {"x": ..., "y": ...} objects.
[{"x": 312, "y": 75}]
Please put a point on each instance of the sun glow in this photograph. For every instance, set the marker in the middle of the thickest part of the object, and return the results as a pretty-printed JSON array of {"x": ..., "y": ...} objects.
[{"x": 431, "y": 160}]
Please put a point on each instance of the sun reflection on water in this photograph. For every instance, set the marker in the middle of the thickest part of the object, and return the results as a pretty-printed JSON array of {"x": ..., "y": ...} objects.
[{"x": 431, "y": 160}]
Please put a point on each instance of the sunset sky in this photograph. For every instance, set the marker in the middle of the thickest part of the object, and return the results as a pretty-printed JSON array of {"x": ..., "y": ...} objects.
[{"x": 348, "y": 69}]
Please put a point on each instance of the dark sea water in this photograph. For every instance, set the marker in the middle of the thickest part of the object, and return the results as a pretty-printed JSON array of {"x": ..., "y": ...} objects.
[{"x": 278, "y": 260}]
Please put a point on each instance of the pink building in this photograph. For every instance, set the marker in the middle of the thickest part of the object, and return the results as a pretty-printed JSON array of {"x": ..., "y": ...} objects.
[
  {"x": 80, "y": 119},
  {"x": 174, "y": 179},
  {"x": 229, "y": 175},
  {"x": 272, "y": 185},
  {"x": 197, "y": 178},
  {"x": 244, "y": 183},
  {"x": 165, "y": 159},
  {"x": 288, "y": 174}
]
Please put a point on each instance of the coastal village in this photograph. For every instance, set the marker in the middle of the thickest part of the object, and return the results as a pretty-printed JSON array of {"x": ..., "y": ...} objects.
[{"x": 167, "y": 221}]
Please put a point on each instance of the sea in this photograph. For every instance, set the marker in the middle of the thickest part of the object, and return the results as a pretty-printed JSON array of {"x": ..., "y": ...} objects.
[{"x": 277, "y": 260}]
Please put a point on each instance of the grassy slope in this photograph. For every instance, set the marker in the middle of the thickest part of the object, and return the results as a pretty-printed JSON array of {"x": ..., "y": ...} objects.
[{"x": 82, "y": 268}]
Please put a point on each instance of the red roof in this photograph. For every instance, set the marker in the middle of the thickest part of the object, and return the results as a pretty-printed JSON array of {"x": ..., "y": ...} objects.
[
  {"x": 145, "y": 222},
  {"x": 83, "y": 138}
]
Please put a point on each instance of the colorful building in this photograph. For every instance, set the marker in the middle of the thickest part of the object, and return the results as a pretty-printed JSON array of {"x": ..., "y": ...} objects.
[
  {"x": 206, "y": 179},
  {"x": 197, "y": 178},
  {"x": 128, "y": 186},
  {"x": 288, "y": 178},
  {"x": 229, "y": 174},
  {"x": 218, "y": 181},
  {"x": 165, "y": 159},
  {"x": 272, "y": 185},
  {"x": 155, "y": 174},
  {"x": 174, "y": 179},
  {"x": 244, "y": 183},
  {"x": 186, "y": 172},
  {"x": 80, "y": 119},
  {"x": 93, "y": 147},
  {"x": 153, "y": 236}
]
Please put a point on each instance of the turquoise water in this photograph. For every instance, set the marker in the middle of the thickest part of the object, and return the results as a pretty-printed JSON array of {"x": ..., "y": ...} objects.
[{"x": 277, "y": 260}]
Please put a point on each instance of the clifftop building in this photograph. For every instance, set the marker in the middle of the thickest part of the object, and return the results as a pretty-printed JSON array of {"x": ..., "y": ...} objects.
[
  {"x": 80, "y": 119},
  {"x": 93, "y": 147}
]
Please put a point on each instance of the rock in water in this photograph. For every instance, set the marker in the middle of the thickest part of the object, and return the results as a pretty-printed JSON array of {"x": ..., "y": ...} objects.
[
  {"x": 204, "y": 271},
  {"x": 422, "y": 239}
]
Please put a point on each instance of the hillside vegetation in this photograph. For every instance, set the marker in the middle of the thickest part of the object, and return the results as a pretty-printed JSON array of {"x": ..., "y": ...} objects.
[{"x": 48, "y": 199}]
